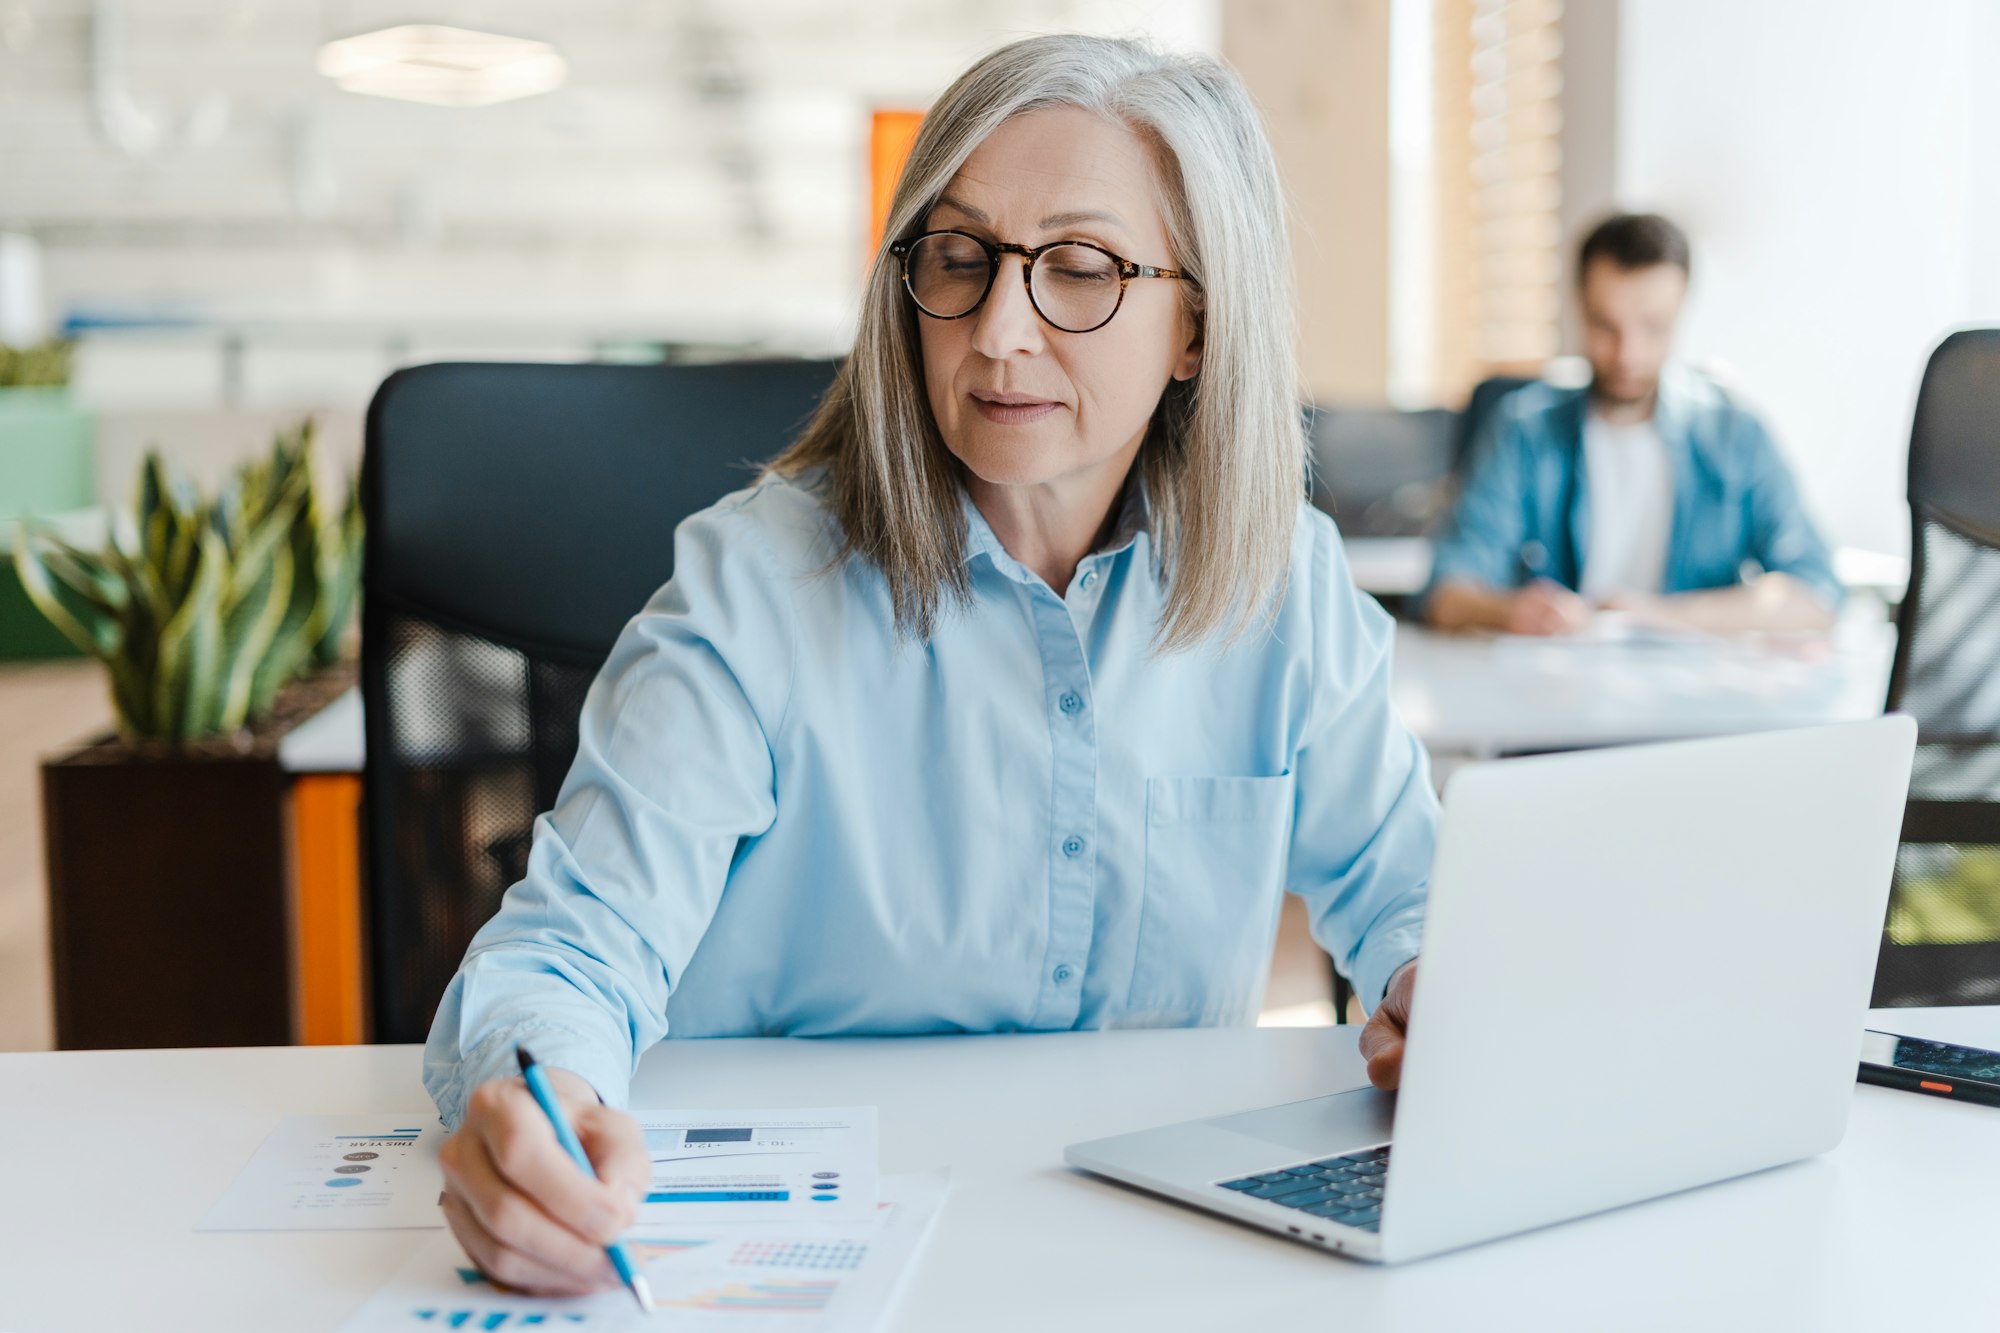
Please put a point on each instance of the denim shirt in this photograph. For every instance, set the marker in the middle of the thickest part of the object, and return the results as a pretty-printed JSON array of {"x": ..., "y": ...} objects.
[
  {"x": 782, "y": 819},
  {"x": 1524, "y": 512}
]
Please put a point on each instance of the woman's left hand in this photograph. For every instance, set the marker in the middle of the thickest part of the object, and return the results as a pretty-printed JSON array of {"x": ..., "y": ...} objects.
[{"x": 1382, "y": 1039}]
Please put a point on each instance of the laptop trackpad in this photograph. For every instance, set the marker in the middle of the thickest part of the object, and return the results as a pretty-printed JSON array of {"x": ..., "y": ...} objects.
[{"x": 1323, "y": 1126}]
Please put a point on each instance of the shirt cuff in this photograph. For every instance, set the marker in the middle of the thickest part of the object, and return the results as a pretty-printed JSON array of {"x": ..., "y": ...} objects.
[
  {"x": 1388, "y": 946},
  {"x": 554, "y": 1047}
]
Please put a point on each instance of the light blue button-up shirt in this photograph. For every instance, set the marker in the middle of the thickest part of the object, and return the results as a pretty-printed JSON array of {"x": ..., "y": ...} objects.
[{"x": 784, "y": 820}]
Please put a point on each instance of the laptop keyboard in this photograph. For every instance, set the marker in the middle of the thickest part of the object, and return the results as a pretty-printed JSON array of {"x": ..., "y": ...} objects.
[{"x": 1345, "y": 1189}]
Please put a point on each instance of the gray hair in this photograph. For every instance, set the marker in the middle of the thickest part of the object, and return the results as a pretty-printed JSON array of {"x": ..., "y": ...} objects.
[{"x": 1224, "y": 458}]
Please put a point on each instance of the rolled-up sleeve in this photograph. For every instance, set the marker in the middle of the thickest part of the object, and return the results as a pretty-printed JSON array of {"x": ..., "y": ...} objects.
[
  {"x": 1366, "y": 819},
  {"x": 673, "y": 771},
  {"x": 1782, "y": 537}
]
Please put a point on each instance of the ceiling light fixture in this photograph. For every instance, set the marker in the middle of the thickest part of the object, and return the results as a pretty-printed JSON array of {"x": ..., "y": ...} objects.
[{"x": 428, "y": 62}]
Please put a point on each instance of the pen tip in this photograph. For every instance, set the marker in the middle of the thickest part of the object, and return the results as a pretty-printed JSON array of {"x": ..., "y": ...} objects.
[{"x": 643, "y": 1294}]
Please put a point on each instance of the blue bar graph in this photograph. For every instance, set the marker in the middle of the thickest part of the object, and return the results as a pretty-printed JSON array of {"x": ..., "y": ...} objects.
[
  {"x": 718, "y": 1196},
  {"x": 495, "y": 1319}
]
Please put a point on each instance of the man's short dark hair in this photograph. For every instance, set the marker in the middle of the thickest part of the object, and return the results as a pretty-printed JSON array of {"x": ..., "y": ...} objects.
[{"x": 1633, "y": 241}]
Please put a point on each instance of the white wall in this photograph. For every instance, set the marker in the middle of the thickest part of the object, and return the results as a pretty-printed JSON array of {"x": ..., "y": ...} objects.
[
  {"x": 1984, "y": 234},
  {"x": 1832, "y": 161}
]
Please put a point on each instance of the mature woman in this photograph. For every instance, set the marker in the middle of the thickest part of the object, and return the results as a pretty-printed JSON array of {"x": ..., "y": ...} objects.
[{"x": 1010, "y": 699}]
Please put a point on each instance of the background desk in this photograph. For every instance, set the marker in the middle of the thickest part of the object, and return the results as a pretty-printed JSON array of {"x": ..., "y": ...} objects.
[
  {"x": 1401, "y": 566},
  {"x": 1485, "y": 694},
  {"x": 111, "y": 1157},
  {"x": 1482, "y": 695}
]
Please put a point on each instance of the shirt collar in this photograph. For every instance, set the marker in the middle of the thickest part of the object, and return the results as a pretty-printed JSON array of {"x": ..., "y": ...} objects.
[
  {"x": 1675, "y": 403},
  {"x": 1134, "y": 517}
]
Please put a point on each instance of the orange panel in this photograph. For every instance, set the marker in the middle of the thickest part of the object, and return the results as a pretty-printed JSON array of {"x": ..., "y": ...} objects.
[
  {"x": 890, "y": 134},
  {"x": 326, "y": 812}
]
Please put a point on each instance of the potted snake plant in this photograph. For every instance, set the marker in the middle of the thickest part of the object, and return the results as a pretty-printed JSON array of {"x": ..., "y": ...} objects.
[{"x": 219, "y": 622}]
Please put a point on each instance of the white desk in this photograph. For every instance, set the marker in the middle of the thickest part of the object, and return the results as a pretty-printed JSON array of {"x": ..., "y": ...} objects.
[
  {"x": 1389, "y": 566},
  {"x": 110, "y": 1159},
  {"x": 1401, "y": 566},
  {"x": 1482, "y": 695}
]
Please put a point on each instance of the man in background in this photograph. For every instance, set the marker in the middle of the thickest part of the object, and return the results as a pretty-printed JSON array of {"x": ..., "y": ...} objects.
[{"x": 1649, "y": 491}]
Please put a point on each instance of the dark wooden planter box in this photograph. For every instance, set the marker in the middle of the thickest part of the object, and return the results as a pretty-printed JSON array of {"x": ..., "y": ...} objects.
[{"x": 169, "y": 885}]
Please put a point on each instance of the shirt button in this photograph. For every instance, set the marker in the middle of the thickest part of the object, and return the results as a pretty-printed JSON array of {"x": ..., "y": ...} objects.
[
  {"x": 1072, "y": 846},
  {"x": 1063, "y": 973},
  {"x": 1071, "y": 702},
  {"x": 1090, "y": 578}
]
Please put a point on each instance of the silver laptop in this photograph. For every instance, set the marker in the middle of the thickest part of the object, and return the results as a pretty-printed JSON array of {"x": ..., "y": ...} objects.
[{"x": 1644, "y": 969}]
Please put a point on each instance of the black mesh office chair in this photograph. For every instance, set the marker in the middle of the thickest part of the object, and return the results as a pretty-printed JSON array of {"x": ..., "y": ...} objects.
[
  {"x": 1942, "y": 940},
  {"x": 1378, "y": 471},
  {"x": 518, "y": 516}
]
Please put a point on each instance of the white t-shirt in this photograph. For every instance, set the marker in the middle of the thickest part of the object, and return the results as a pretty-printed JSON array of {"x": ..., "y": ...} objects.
[{"x": 1631, "y": 507}]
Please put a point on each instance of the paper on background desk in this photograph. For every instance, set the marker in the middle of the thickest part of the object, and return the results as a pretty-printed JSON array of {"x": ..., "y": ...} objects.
[
  {"x": 338, "y": 1173},
  {"x": 1616, "y": 629},
  {"x": 805, "y": 1274},
  {"x": 748, "y": 1166}
]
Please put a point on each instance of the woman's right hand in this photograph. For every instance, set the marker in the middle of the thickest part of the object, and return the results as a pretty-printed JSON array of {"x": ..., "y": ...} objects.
[{"x": 521, "y": 1207}]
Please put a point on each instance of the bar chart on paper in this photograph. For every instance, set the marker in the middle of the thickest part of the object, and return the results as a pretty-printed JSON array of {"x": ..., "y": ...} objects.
[
  {"x": 464, "y": 1298},
  {"x": 823, "y": 1254},
  {"x": 772, "y": 1296},
  {"x": 648, "y": 1250},
  {"x": 496, "y": 1319},
  {"x": 797, "y": 1275},
  {"x": 759, "y": 1165},
  {"x": 484, "y": 1317}
]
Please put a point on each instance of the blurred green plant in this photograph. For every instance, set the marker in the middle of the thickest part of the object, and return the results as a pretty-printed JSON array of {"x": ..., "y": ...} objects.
[
  {"x": 202, "y": 611},
  {"x": 1946, "y": 894},
  {"x": 46, "y": 365}
]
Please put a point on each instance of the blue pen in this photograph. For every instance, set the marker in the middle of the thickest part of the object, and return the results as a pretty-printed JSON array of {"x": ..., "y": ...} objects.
[{"x": 545, "y": 1097}]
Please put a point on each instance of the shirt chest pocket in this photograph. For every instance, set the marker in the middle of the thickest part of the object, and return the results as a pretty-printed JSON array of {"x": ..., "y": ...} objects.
[{"x": 1216, "y": 850}]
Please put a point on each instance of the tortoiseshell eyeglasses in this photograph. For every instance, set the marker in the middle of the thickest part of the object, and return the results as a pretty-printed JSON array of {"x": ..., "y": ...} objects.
[{"x": 1074, "y": 286}]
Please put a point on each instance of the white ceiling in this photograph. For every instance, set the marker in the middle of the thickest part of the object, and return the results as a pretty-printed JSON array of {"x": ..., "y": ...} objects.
[{"x": 689, "y": 131}]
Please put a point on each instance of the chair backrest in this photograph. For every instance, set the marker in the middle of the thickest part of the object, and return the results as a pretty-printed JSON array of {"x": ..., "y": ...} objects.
[
  {"x": 518, "y": 517},
  {"x": 1942, "y": 944},
  {"x": 1381, "y": 472},
  {"x": 1947, "y": 669}
]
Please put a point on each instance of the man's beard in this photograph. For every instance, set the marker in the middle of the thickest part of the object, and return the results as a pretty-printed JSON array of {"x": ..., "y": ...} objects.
[{"x": 1605, "y": 396}]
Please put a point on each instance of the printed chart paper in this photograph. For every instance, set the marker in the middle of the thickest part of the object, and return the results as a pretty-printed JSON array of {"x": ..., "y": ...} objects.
[
  {"x": 763, "y": 1165},
  {"x": 801, "y": 1275},
  {"x": 338, "y": 1173}
]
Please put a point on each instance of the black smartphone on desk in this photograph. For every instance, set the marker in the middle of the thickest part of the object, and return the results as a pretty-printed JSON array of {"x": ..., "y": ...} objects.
[{"x": 1936, "y": 1068}]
